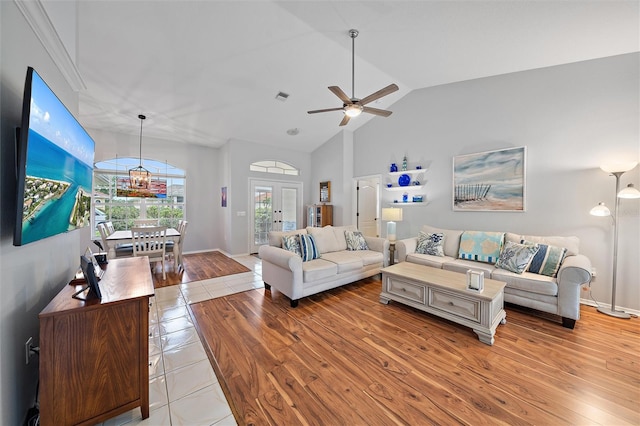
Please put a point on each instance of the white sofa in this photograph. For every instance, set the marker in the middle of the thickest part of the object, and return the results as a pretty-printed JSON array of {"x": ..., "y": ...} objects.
[
  {"x": 286, "y": 272},
  {"x": 558, "y": 295}
]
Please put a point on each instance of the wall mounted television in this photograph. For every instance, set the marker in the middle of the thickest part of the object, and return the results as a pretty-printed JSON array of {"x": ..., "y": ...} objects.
[{"x": 54, "y": 166}]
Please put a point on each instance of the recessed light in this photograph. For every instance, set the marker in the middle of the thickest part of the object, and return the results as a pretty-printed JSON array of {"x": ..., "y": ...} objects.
[{"x": 293, "y": 132}]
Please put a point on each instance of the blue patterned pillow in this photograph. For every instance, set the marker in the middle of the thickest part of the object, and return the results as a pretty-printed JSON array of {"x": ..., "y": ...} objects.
[
  {"x": 516, "y": 257},
  {"x": 481, "y": 246},
  {"x": 292, "y": 243},
  {"x": 355, "y": 240},
  {"x": 430, "y": 244},
  {"x": 547, "y": 260},
  {"x": 308, "y": 248}
]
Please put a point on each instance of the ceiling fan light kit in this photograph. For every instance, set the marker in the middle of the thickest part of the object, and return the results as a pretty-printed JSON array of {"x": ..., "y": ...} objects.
[{"x": 352, "y": 106}]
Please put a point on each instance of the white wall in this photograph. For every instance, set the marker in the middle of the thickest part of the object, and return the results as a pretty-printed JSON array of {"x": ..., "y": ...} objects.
[
  {"x": 240, "y": 155},
  {"x": 328, "y": 165},
  {"x": 32, "y": 274},
  {"x": 571, "y": 118}
]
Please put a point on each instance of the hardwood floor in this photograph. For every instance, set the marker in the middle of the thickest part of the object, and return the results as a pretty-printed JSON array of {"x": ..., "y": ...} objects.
[
  {"x": 197, "y": 267},
  {"x": 342, "y": 358}
]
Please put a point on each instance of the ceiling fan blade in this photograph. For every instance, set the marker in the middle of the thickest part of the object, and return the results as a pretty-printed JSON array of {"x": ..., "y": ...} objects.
[
  {"x": 376, "y": 111},
  {"x": 339, "y": 93},
  {"x": 380, "y": 93},
  {"x": 324, "y": 110},
  {"x": 345, "y": 120}
]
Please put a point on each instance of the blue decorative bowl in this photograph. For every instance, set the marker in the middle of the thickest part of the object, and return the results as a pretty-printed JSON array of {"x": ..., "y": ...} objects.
[{"x": 404, "y": 180}]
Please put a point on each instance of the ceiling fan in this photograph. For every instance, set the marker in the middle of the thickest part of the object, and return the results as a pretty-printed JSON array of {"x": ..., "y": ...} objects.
[{"x": 353, "y": 106}]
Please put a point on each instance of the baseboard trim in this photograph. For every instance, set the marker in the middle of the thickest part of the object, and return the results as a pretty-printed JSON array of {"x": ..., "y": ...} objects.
[{"x": 590, "y": 302}]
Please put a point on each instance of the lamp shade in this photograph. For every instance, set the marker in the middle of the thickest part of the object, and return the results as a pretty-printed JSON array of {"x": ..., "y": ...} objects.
[
  {"x": 392, "y": 213},
  {"x": 629, "y": 192},
  {"x": 600, "y": 210},
  {"x": 353, "y": 110},
  {"x": 618, "y": 167}
]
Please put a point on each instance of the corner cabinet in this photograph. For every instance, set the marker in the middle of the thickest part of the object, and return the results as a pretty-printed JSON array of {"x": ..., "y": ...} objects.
[
  {"x": 94, "y": 354},
  {"x": 412, "y": 189},
  {"x": 319, "y": 215}
]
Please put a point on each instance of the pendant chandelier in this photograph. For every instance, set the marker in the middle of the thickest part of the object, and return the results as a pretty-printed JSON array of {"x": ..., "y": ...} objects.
[{"x": 139, "y": 177}]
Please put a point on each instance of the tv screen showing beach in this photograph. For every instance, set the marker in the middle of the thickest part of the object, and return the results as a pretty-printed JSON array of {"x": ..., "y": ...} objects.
[{"x": 58, "y": 166}]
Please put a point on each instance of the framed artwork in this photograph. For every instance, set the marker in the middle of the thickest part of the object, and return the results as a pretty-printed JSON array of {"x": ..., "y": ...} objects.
[
  {"x": 223, "y": 196},
  {"x": 490, "y": 181}
]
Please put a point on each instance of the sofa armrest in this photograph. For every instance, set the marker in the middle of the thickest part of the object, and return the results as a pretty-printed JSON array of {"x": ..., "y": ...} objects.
[
  {"x": 380, "y": 245},
  {"x": 573, "y": 273},
  {"x": 281, "y": 257},
  {"x": 405, "y": 247}
]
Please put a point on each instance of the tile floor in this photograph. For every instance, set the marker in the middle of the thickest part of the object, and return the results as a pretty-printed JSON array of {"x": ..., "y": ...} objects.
[{"x": 183, "y": 388}]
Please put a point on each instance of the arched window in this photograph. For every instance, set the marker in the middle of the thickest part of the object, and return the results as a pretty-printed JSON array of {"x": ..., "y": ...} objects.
[
  {"x": 114, "y": 200},
  {"x": 276, "y": 167}
]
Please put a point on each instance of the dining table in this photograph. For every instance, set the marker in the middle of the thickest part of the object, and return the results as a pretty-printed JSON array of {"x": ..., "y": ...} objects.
[{"x": 125, "y": 236}]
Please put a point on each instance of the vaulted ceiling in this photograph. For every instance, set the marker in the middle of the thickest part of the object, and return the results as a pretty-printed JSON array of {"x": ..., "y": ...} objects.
[{"x": 207, "y": 72}]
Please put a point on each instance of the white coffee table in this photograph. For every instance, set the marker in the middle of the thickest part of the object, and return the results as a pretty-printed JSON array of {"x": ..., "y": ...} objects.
[{"x": 445, "y": 294}]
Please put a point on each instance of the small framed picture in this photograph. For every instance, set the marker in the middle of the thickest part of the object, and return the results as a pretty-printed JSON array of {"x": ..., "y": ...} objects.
[{"x": 475, "y": 280}]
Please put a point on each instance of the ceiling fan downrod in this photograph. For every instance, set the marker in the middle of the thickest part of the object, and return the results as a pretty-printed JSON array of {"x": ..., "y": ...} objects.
[{"x": 353, "y": 34}]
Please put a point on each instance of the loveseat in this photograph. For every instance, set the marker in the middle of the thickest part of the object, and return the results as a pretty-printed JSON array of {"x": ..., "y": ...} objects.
[
  {"x": 334, "y": 266},
  {"x": 550, "y": 282}
]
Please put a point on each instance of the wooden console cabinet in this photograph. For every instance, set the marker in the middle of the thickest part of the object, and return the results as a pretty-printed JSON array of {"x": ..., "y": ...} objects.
[
  {"x": 94, "y": 354},
  {"x": 320, "y": 215}
]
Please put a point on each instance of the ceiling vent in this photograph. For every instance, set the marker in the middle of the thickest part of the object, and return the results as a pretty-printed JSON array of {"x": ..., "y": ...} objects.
[{"x": 281, "y": 96}]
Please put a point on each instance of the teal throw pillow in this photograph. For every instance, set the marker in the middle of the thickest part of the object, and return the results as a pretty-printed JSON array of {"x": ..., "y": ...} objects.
[
  {"x": 547, "y": 260},
  {"x": 355, "y": 240},
  {"x": 516, "y": 257},
  {"x": 481, "y": 246},
  {"x": 292, "y": 243},
  {"x": 431, "y": 244},
  {"x": 308, "y": 247}
]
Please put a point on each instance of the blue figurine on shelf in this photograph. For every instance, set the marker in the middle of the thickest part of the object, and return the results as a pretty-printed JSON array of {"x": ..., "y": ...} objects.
[{"x": 393, "y": 168}]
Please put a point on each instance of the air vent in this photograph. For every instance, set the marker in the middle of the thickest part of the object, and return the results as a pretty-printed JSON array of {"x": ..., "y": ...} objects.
[{"x": 281, "y": 96}]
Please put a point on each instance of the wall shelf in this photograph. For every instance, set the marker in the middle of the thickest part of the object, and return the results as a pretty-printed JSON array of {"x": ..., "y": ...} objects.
[
  {"x": 408, "y": 203},
  {"x": 404, "y": 188}
]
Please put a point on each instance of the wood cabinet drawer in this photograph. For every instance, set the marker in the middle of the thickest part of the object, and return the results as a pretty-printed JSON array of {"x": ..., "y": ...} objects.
[
  {"x": 406, "y": 290},
  {"x": 455, "y": 304}
]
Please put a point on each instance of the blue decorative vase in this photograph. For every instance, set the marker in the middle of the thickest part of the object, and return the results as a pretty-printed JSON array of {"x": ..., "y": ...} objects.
[
  {"x": 393, "y": 168},
  {"x": 404, "y": 180}
]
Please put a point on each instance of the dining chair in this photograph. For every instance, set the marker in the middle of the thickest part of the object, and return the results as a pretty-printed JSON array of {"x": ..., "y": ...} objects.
[
  {"x": 110, "y": 227},
  {"x": 176, "y": 249},
  {"x": 150, "y": 241},
  {"x": 118, "y": 249}
]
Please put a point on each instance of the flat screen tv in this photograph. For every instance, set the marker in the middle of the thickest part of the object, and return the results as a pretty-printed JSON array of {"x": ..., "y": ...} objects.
[{"x": 54, "y": 166}]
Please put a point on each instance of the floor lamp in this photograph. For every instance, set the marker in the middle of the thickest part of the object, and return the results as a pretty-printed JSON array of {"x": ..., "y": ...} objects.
[{"x": 601, "y": 209}]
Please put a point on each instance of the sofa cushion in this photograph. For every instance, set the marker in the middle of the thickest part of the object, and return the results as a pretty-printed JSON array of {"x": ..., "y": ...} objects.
[
  {"x": 429, "y": 260},
  {"x": 516, "y": 257},
  {"x": 572, "y": 244},
  {"x": 345, "y": 261},
  {"x": 547, "y": 260},
  {"x": 527, "y": 281},
  {"x": 355, "y": 240},
  {"x": 318, "y": 269},
  {"x": 308, "y": 248},
  {"x": 325, "y": 238},
  {"x": 292, "y": 244},
  {"x": 451, "y": 244},
  {"x": 481, "y": 246},
  {"x": 369, "y": 257},
  {"x": 430, "y": 243},
  {"x": 338, "y": 231},
  {"x": 462, "y": 266},
  {"x": 275, "y": 237}
]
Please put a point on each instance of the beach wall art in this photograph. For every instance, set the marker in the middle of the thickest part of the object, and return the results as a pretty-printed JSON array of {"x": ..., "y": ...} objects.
[{"x": 490, "y": 181}]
